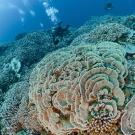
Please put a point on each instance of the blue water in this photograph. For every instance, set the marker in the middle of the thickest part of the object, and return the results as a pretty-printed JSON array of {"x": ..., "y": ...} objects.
[{"x": 15, "y": 16}]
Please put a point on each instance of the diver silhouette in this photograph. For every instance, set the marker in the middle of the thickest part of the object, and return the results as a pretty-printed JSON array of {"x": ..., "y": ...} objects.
[
  {"x": 109, "y": 6},
  {"x": 59, "y": 32}
]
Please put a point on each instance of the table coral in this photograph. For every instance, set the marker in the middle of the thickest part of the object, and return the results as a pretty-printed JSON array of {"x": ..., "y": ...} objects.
[{"x": 78, "y": 88}]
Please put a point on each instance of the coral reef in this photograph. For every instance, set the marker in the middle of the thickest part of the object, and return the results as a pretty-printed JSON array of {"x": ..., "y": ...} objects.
[
  {"x": 128, "y": 118},
  {"x": 10, "y": 107},
  {"x": 130, "y": 79},
  {"x": 108, "y": 32},
  {"x": 130, "y": 22},
  {"x": 16, "y": 66},
  {"x": 81, "y": 39},
  {"x": 131, "y": 37},
  {"x": 20, "y": 35},
  {"x": 129, "y": 48},
  {"x": 95, "y": 21},
  {"x": 2, "y": 95},
  {"x": 28, "y": 50},
  {"x": 24, "y": 117},
  {"x": 15, "y": 111},
  {"x": 7, "y": 77},
  {"x": 78, "y": 88},
  {"x": 81, "y": 33}
]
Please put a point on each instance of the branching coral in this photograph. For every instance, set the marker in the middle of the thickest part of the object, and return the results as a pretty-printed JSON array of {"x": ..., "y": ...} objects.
[{"x": 85, "y": 92}]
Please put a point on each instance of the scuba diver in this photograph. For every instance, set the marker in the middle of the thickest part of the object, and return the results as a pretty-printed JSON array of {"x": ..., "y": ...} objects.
[
  {"x": 59, "y": 32},
  {"x": 109, "y": 6}
]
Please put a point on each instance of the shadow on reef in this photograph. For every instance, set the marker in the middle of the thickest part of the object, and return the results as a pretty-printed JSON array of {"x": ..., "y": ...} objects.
[{"x": 20, "y": 35}]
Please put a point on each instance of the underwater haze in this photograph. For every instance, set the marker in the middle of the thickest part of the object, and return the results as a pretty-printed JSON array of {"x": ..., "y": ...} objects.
[{"x": 17, "y": 16}]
